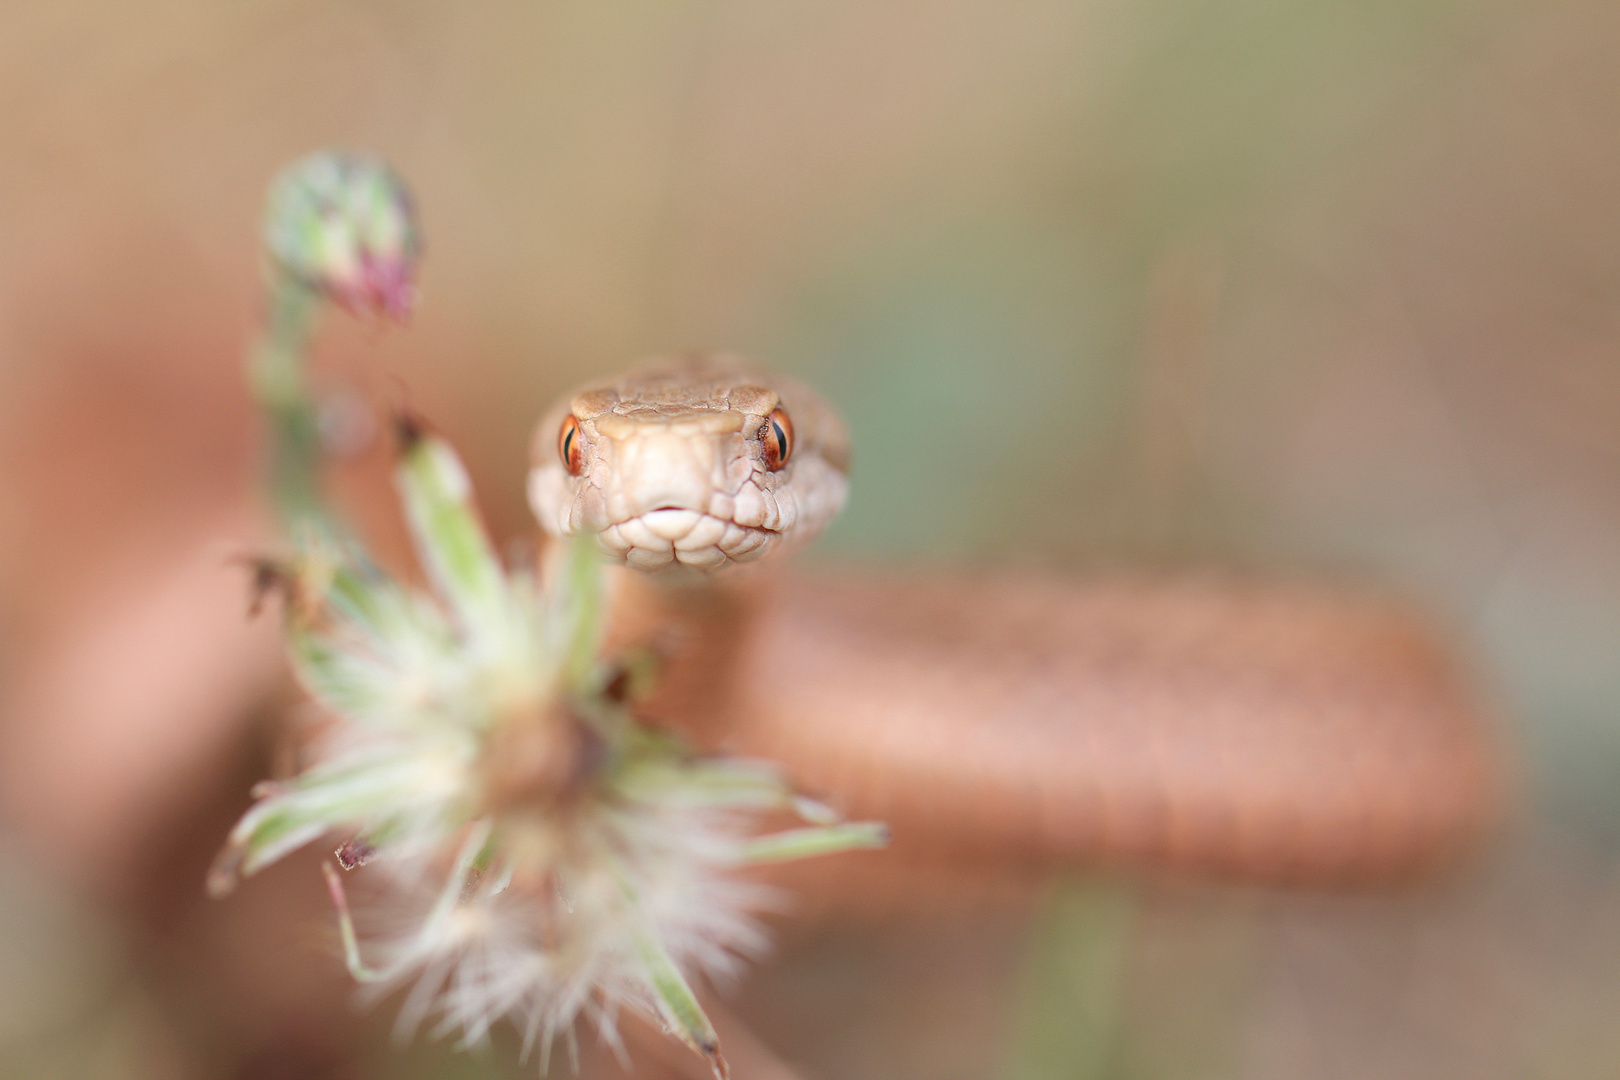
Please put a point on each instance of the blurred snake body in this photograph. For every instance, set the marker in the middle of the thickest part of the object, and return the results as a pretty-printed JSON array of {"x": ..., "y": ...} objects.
[{"x": 1281, "y": 731}]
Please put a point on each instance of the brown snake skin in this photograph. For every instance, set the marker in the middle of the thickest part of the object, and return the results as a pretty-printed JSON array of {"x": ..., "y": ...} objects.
[{"x": 1269, "y": 731}]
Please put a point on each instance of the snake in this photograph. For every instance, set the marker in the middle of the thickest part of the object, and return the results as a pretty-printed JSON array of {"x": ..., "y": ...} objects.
[{"x": 1215, "y": 722}]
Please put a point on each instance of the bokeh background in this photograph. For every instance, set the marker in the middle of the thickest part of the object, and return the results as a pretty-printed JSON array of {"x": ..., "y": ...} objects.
[{"x": 1319, "y": 285}]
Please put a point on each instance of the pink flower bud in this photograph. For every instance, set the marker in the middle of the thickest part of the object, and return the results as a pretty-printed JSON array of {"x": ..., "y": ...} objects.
[{"x": 344, "y": 225}]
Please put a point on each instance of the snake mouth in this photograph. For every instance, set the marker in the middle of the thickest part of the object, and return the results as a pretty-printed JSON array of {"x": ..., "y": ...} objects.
[{"x": 676, "y": 535}]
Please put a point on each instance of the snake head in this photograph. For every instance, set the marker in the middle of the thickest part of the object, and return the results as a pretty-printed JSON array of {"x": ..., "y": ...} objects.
[{"x": 695, "y": 461}]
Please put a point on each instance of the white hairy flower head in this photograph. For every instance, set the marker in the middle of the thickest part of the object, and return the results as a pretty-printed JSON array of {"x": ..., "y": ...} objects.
[{"x": 535, "y": 853}]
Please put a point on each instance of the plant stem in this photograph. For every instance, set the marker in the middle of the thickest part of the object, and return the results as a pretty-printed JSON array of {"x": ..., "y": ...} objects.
[
  {"x": 1067, "y": 1015},
  {"x": 280, "y": 386}
]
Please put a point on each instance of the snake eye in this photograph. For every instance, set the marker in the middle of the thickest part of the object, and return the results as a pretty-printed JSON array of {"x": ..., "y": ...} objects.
[
  {"x": 777, "y": 435},
  {"x": 571, "y": 444}
]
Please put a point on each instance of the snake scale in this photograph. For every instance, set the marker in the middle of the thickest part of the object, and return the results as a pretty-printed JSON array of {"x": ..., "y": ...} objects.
[{"x": 1269, "y": 730}]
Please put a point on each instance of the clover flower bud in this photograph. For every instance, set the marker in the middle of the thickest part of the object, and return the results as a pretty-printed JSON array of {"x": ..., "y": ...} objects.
[{"x": 344, "y": 226}]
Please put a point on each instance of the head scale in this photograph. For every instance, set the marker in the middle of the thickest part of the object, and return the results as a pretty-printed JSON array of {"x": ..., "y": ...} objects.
[{"x": 692, "y": 461}]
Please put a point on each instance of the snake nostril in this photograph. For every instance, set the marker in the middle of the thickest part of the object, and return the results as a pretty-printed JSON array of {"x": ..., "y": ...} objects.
[{"x": 669, "y": 506}]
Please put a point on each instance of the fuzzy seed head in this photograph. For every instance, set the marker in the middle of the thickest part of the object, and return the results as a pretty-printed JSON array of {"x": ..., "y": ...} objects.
[{"x": 530, "y": 851}]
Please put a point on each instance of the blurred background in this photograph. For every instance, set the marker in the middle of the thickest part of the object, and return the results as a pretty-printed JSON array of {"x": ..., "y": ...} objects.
[{"x": 1320, "y": 285}]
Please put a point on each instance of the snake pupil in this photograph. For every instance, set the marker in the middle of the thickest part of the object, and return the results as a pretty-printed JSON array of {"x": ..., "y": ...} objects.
[
  {"x": 573, "y": 454},
  {"x": 778, "y": 440}
]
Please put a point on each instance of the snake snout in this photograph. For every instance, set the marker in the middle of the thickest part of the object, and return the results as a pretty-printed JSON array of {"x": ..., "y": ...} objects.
[{"x": 679, "y": 493}]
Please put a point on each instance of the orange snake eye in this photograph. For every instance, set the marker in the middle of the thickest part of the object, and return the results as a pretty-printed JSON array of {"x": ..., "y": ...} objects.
[
  {"x": 777, "y": 435},
  {"x": 571, "y": 444}
]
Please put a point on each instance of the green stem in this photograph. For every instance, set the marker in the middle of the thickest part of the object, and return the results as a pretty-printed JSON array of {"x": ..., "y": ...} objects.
[
  {"x": 280, "y": 386},
  {"x": 1066, "y": 1021},
  {"x": 358, "y": 968}
]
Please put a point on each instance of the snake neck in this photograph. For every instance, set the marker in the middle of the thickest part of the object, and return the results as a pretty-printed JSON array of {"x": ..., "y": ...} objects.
[{"x": 695, "y": 628}]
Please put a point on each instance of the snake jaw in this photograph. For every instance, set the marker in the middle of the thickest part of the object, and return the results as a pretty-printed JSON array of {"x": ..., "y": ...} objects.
[{"x": 669, "y": 536}]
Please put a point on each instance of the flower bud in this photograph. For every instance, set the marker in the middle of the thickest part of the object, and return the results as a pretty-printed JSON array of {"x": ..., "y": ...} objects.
[{"x": 344, "y": 225}]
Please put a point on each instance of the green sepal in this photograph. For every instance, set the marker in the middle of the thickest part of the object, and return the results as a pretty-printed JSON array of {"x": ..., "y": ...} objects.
[
  {"x": 815, "y": 840},
  {"x": 577, "y": 611},
  {"x": 678, "y": 1007},
  {"x": 450, "y": 539},
  {"x": 738, "y": 785}
]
